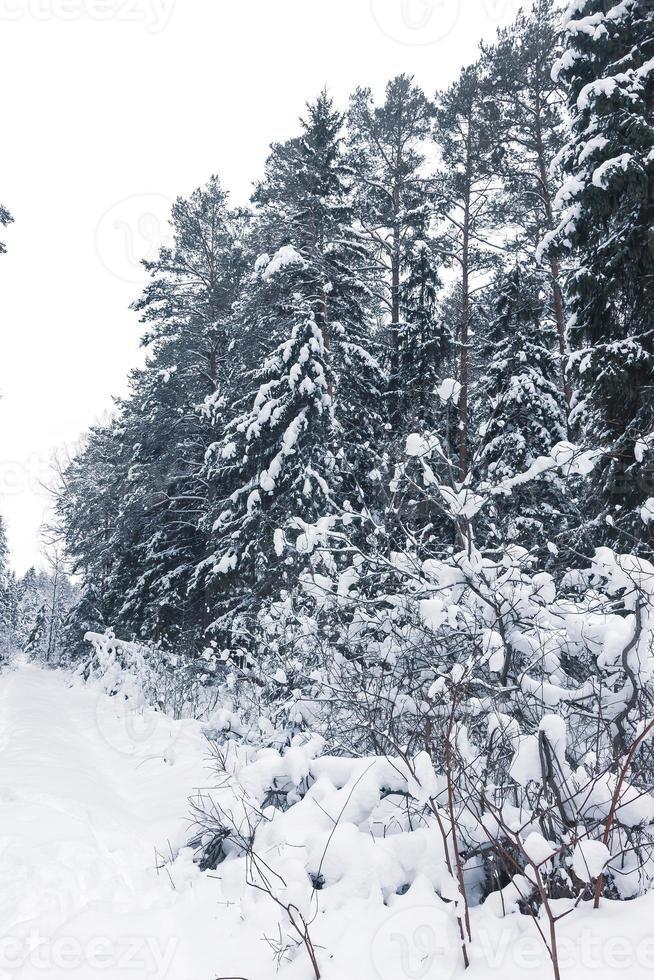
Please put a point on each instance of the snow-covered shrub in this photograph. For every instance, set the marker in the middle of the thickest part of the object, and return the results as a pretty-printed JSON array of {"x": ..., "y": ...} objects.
[
  {"x": 528, "y": 698},
  {"x": 305, "y": 832},
  {"x": 412, "y": 711},
  {"x": 147, "y": 675}
]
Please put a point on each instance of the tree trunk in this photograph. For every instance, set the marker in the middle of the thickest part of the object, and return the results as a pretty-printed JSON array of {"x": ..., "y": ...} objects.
[
  {"x": 395, "y": 293},
  {"x": 559, "y": 315},
  {"x": 464, "y": 356}
]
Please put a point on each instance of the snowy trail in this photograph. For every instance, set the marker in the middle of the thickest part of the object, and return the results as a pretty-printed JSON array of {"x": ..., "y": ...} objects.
[{"x": 87, "y": 793}]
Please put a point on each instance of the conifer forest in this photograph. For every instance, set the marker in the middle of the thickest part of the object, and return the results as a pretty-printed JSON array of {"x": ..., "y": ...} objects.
[{"x": 341, "y": 665}]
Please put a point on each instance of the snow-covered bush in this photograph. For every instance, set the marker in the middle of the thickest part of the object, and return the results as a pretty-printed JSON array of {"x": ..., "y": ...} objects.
[
  {"x": 512, "y": 708},
  {"x": 147, "y": 675}
]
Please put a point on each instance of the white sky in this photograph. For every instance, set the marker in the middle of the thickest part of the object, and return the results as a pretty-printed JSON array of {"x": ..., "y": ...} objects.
[{"x": 111, "y": 108}]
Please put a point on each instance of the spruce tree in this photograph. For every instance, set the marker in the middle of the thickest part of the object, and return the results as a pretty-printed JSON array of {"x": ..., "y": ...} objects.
[
  {"x": 607, "y": 221},
  {"x": 86, "y": 615},
  {"x": 519, "y": 411},
  {"x": 526, "y": 105},
  {"x": 37, "y": 641},
  {"x": 306, "y": 201},
  {"x": 274, "y": 462},
  {"x": 304, "y": 312},
  {"x": 87, "y": 507},
  {"x": 5, "y": 595},
  {"x": 4, "y": 547},
  {"x": 164, "y": 426},
  {"x": 424, "y": 341}
]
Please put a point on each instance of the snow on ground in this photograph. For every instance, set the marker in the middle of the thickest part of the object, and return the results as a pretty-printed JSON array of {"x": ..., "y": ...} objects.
[
  {"x": 88, "y": 795},
  {"x": 93, "y": 796}
]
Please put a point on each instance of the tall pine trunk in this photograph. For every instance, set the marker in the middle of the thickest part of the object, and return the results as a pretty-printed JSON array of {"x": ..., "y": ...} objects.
[
  {"x": 557, "y": 291},
  {"x": 464, "y": 355}
]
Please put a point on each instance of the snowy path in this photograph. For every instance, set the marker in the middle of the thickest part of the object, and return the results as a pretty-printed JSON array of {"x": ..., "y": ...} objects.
[{"x": 86, "y": 795}]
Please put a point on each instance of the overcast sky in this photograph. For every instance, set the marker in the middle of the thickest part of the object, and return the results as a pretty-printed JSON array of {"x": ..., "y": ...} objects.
[{"x": 111, "y": 108}]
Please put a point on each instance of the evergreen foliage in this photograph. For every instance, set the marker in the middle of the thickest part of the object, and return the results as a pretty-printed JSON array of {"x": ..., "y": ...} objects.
[
  {"x": 397, "y": 290},
  {"x": 607, "y": 203}
]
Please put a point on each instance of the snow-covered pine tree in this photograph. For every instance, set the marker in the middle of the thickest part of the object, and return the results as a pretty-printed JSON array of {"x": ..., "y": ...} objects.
[
  {"x": 85, "y": 616},
  {"x": 194, "y": 282},
  {"x": 527, "y": 132},
  {"x": 466, "y": 187},
  {"x": 274, "y": 461},
  {"x": 4, "y": 547},
  {"x": 49, "y": 589},
  {"x": 9, "y": 612},
  {"x": 394, "y": 207},
  {"x": 30, "y": 603},
  {"x": 163, "y": 427},
  {"x": 5, "y": 598},
  {"x": 37, "y": 641},
  {"x": 87, "y": 506},
  {"x": 10, "y": 593},
  {"x": 606, "y": 222},
  {"x": 519, "y": 412},
  {"x": 310, "y": 421},
  {"x": 306, "y": 200},
  {"x": 424, "y": 341},
  {"x": 5, "y": 219}
]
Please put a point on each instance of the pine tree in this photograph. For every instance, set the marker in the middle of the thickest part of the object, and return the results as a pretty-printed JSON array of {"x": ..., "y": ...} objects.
[
  {"x": 30, "y": 602},
  {"x": 276, "y": 457},
  {"x": 607, "y": 224},
  {"x": 85, "y": 616},
  {"x": 5, "y": 596},
  {"x": 395, "y": 207},
  {"x": 162, "y": 431},
  {"x": 309, "y": 424},
  {"x": 37, "y": 641},
  {"x": 305, "y": 201},
  {"x": 87, "y": 506},
  {"x": 424, "y": 341},
  {"x": 527, "y": 132},
  {"x": 519, "y": 410},
  {"x": 467, "y": 185},
  {"x": 4, "y": 547},
  {"x": 9, "y": 612}
]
